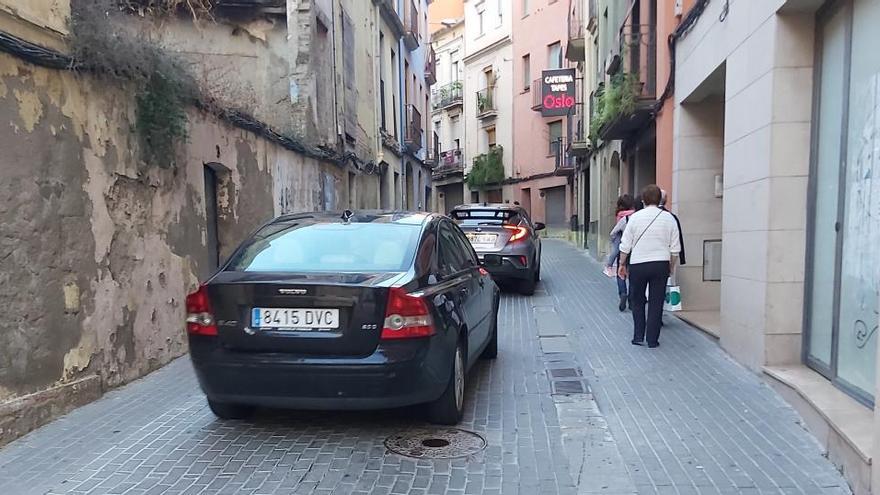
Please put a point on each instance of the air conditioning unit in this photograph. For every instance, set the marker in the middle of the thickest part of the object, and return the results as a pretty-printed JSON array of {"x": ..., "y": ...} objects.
[{"x": 678, "y": 8}]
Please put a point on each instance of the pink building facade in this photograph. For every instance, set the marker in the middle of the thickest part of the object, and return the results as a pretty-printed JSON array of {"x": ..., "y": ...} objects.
[{"x": 540, "y": 33}]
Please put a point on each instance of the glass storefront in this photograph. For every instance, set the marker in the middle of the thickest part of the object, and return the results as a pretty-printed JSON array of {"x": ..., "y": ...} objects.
[{"x": 844, "y": 254}]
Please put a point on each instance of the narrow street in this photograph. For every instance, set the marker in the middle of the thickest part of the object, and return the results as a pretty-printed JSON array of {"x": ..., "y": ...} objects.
[{"x": 569, "y": 407}]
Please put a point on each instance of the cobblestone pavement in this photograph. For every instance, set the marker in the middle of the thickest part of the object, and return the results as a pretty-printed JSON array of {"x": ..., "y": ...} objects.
[{"x": 680, "y": 419}]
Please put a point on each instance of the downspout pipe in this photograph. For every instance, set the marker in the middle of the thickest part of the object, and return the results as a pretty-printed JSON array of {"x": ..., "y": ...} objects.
[{"x": 686, "y": 25}]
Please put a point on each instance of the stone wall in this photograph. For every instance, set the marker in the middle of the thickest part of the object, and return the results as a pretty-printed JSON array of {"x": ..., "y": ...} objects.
[{"x": 98, "y": 249}]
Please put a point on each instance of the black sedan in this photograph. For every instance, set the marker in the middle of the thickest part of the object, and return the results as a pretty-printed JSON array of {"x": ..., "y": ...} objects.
[{"x": 366, "y": 310}]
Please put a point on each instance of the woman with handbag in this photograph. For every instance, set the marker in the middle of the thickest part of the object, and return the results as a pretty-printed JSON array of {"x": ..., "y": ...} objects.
[{"x": 648, "y": 253}]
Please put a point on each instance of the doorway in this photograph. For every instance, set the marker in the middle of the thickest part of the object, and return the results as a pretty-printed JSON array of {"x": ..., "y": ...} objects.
[{"x": 213, "y": 243}]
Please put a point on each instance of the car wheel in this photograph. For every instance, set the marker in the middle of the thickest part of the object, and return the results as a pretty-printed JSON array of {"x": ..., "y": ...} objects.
[
  {"x": 448, "y": 409},
  {"x": 527, "y": 286},
  {"x": 230, "y": 411},
  {"x": 491, "y": 350}
]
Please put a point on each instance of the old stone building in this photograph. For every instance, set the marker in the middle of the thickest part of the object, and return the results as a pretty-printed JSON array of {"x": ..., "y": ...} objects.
[{"x": 120, "y": 191}]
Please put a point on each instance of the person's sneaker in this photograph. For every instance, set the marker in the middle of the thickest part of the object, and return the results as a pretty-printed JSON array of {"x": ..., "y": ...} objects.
[
  {"x": 622, "y": 305},
  {"x": 654, "y": 346},
  {"x": 609, "y": 272},
  {"x": 636, "y": 342}
]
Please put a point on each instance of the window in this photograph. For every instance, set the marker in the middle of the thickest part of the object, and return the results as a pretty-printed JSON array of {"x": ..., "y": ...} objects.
[
  {"x": 501, "y": 12},
  {"x": 490, "y": 137},
  {"x": 527, "y": 72},
  {"x": 843, "y": 255},
  {"x": 470, "y": 257},
  {"x": 525, "y": 8},
  {"x": 453, "y": 66},
  {"x": 328, "y": 247},
  {"x": 555, "y": 131},
  {"x": 453, "y": 258},
  {"x": 481, "y": 12},
  {"x": 554, "y": 56}
]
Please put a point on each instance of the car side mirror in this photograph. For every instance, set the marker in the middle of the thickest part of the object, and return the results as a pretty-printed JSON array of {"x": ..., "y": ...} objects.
[
  {"x": 539, "y": 226},
  {"x": 492, "y": 260}
]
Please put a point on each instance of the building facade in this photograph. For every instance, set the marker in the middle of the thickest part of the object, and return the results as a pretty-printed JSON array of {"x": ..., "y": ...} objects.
[
  {"x": 542, "y": 171},
  {"x": 417, "y": 74},
  {"x": 447, "y": 101},
  {"x": 488, "y": 106},
  {"x": 776, "y": 109}
]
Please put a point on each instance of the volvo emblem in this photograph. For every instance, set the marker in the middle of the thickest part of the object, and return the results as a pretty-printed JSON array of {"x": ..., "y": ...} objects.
[{"x": 292, "y": 292}]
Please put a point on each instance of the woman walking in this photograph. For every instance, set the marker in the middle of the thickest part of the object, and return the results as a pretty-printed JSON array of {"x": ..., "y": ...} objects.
[
  {"x": 648, "y": 252},
  {"x": 625, "y": 208}
]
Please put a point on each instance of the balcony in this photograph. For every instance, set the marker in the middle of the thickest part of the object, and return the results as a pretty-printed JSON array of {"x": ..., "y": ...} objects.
[
  {"x": 411, "y": 36},
  {"x": 578, "y": 144},
  {"x": 448, "y": 96},
  {"x": 430, "y": 66},
  {"x": 564, "y": 163},
  {"x": 537, "y": 102},
  {"x": 450, "y": 162},
  {"x": 412, "y": 138},
  {"x": 625, "y": 105},
  {"x": 486, "y": 103},
  {"x": 576, "y": 47},
  {"x": 388, "y": 9},
  {"x": 638, "y": 49},
  {"x": 430, "y": 158}
]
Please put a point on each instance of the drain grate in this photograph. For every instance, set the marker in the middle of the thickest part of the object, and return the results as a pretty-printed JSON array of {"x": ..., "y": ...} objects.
[
  {"x": 565, "y": 373},
  {"x": 568, "y": 387},
  {"x": 436, "y": 443}
]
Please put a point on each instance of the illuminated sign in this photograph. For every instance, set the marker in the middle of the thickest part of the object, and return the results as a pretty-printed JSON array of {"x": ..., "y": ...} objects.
[{"x": 557, "y": 92}]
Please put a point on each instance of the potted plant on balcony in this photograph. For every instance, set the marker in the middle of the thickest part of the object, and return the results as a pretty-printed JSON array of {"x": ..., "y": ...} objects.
[
  {"x": 617, "y": 99},
  {"x": 488, "y": 169}
]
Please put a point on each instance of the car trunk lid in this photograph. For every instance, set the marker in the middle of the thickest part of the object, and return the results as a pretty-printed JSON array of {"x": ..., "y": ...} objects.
[{"x": 310, "y": 314}]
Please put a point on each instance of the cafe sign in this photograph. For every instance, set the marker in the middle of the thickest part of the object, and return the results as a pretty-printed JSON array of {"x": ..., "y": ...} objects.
[{"x": 557, "y": 92}]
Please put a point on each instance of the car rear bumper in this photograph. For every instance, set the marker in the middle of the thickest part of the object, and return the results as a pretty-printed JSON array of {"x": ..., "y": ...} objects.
[
  {"x": 396, "y": 375},
  {"x": 511, "y": 268}
]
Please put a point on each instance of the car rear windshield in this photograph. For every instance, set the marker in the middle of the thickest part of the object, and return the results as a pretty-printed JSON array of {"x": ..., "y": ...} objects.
[
  {"x": 484, "y": 217},
  {"x": 329, "y": 247}
]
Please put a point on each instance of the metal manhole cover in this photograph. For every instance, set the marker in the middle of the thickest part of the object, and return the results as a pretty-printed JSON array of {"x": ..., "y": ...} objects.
[
  {"x": 439, "y": 443},
  {"x": 568, "y": 387},
  {"x": 565, "y": 372}
]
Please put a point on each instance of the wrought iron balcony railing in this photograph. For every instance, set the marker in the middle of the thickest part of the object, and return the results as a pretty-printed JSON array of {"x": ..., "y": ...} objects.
[
  {"x": 447, "y": 96},
  {"x": 486, "y": 103}
]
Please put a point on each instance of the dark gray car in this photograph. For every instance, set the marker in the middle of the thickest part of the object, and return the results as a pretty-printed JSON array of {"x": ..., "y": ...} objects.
[{"x": 504, "y": 230}]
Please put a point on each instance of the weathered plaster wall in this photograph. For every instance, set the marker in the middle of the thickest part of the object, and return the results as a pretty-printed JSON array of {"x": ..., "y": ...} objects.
[{"x": 98, "y": 249}]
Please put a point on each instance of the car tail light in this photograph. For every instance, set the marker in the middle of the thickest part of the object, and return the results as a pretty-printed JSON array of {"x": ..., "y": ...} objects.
[
  {"x": 199, "y": 318},
  {"x": 406, "y": 316},
  {"x": 517, "y": 232}
]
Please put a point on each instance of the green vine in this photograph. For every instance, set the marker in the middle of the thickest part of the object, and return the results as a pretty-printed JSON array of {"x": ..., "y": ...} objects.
[
  {"x": 617, "y": 99},
  {"x": 488, "y": 169},
  {"x": 163, "y": 85}
]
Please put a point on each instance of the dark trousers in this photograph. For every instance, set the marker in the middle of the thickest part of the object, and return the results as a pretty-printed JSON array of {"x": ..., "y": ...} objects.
[{"x": 653, "y": 276}]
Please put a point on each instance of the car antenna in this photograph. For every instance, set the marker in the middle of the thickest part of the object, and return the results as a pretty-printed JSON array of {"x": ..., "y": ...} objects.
[{"x": 346, "y": 215}]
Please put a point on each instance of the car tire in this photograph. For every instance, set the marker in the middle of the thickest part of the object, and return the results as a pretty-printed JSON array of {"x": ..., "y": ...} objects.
[
  {"x": 527, "y": 286},
  {"x": 449, "y": 408},
  {"x": 491, "y": 350},
  {"x": 230, "y": 411}
]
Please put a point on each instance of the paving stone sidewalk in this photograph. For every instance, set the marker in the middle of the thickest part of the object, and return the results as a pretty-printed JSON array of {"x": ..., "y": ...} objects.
[{"x": 686, "y": 418}]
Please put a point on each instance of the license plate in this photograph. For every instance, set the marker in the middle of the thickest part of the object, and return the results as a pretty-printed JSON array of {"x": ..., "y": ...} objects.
[
  {"x": 295, "y": 318},
  {"x": 482, "y": 238}
]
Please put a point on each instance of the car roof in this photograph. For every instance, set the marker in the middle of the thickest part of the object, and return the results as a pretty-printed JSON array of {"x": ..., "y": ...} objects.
[
  {"x": 488, "y": 206},
  {"x": 360, "y": 216}
]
